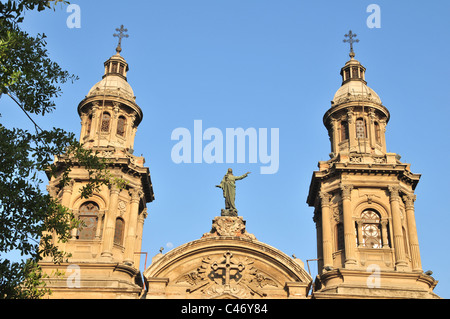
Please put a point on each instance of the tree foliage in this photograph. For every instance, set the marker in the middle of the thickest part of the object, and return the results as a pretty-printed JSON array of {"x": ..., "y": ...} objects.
[{"x": 29, "y": 215}]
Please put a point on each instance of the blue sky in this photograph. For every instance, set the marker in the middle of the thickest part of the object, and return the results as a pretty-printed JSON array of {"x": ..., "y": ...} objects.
[{"x": 263, "y": 64}]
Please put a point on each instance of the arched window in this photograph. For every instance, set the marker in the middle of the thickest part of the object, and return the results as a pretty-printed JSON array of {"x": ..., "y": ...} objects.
[
  {"x": 371, "y": 229},
  {"x": 121, "y": 125},
  {"x": 118, "y": 231},
  {"x": 360, "y": 128},
  {"x": 377, "y": 132},
  {"x": 89, "y": 221},
  {"x": 344, "y": 131},
  {"x": 106, "y": 119}
]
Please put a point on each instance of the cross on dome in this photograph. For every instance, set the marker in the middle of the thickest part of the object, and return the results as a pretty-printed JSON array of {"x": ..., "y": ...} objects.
[
  {"x": 120, "y": 35},
  {"x": 351, "y": 40}
]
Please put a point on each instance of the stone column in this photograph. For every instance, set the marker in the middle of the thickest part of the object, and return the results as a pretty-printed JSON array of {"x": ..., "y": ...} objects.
[
  {"x": 140, "y": 229},
  {"x": 95, "y": 124},
  {"x": 335, "y": 136},
  {"x": 399, "y": 246},
  {"x": 412, "y": 232},
  {"x": 351, "y": 129},
  {"x": 383, "y": 134},
  {"x": 326, "y": 230},
  {"x": 317, "y": 218},
  {"x": 65, "y": 201},
  {"x": 110, "y": 222},
  {"x": 136, "y": 194},
  {"x": 371, "y": 128},
  {"x": 349, "y": 227},
  {"x": 84, "y": 124},
  {"x": 67, "y": 194},
  {"x": 114, "y": 119},
  {"x": 99, "y": 224}
]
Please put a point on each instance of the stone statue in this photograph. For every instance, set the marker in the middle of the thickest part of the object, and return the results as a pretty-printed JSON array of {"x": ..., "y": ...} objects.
[{"x": 229, "y": 192}]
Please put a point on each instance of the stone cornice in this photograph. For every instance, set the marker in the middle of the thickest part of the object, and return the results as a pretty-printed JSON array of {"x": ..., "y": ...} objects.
[
  {"x": 111, "y": 98},
  {"x": 126, "y": 166},
  {"x": 353, "y": 107},
  {"x": 337, "y": 169}
]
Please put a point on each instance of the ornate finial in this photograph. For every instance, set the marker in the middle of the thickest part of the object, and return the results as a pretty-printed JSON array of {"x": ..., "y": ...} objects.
[
  {"x": 161, "y": 250},
  {"x": 120, "y": 36},
  {"x": 351, "y": 40}
]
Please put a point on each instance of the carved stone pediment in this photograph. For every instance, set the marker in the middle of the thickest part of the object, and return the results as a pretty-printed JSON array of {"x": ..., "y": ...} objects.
[{"x": 230, "y": 276}]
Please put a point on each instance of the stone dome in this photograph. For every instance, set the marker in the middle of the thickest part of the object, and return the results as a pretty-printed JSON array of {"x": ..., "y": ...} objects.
[
  {"x": 114, "y": 85},
  {"x": 355, "y": 91},
  {"x": 354, "y": 86},
  {"x": 114, "y": 81}
]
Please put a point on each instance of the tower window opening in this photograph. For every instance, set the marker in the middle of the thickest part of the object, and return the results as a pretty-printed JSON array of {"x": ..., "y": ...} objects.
[
  {"x": 360, "y": 128},
  {"x": 114, "y": 67},
  {"x": 340, "y": 241},
  {"x": 106, "y": 119},
  {"x": 346, "y": 74},
  {"x": 118, "y": 231},
  {"x": 89, "y": 218},
  {"x": 344, "y": 131},
  {"x": 377, "y": 132},
  {"x": 355, "y": 74},
  {"x": 371, "y": 229},
  {"x": 121, "y": 124}
]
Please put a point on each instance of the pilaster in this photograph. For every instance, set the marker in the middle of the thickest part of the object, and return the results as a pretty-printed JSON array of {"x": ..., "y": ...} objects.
[
  {"x": 108, "y": 236},
  {"x": 349, "y": 228},
  {"x": 399, "y": 245},
  {"x": 326, "y": 230},
  {"x": 136, "y": 195},
  {"x": 412, "y": 232}
]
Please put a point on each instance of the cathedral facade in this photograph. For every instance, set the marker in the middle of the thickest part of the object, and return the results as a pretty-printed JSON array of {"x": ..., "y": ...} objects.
[{"x": 363, "y": 200}]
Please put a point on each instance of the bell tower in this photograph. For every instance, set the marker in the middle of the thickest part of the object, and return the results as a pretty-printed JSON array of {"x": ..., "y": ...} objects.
[
  {"x": 363, "y": 197},
  {"x": 106, "y": 248}
]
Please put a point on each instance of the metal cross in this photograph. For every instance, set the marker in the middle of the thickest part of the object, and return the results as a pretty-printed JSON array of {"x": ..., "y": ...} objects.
[
  {"x": 120, "y": 36},
  {"x": 350, "y": 40}
]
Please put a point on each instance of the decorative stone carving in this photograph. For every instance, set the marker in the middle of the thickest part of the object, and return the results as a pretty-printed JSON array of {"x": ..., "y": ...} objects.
[
  {"x": 136, "y": 194},
  {"x": 337, "y": 214},
  {"x": 107, "y": 154},
  {"x": 122, "y": 207},
  {"x": 111, "y": 92},
  {"x": 116, "y": 109},
  {"x": 409, "y": 201},
  {"x": 356, "y": 159},
  {"x": 229, "y": 226},
  {"x": 228, "y": 275},
  {"x": 350, "y": 114},
  {"x": 346, "y": 191},
  {"x": 395, "y": 192},
  {"x": 359, "y": 97},
  {"x": 379, "y": 159},
  {"x": 326, "y": 198},
  {"x": 370, "y": 197}
]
